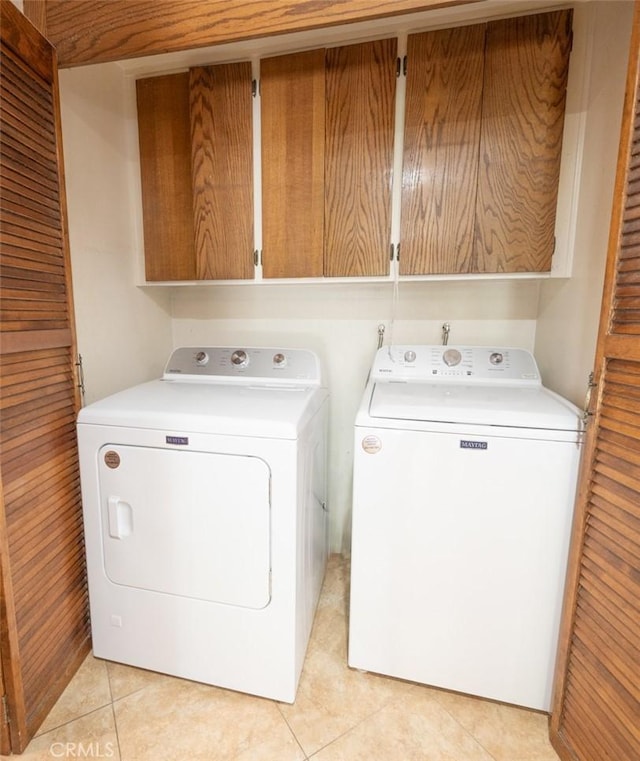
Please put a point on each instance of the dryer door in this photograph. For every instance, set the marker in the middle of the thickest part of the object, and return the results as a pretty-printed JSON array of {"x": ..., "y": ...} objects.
[{"x": 193, "y": 524}]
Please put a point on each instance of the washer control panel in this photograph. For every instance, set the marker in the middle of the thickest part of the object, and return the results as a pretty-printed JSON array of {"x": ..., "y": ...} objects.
[
  {"x": 256, "y": 365},
  {"x": 467, "y": 364}
]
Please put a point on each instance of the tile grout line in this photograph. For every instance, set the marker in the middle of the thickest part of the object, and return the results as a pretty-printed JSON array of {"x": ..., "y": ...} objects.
[
  {"x": 113, "y": 710},
  {"x": 70, "y": 721},
  {"x": 347, "y": 731},
  {"x": 290, "y": 728},
  {"x": 465, "y": 730}
]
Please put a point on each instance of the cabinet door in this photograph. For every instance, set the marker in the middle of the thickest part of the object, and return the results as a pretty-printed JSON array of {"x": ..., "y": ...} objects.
[
  {"x": 222, "y": 170},
  {"x": 292, "y": 91},
  {"x": 441, "y": 148},
  {"x": 483, "y": 137},
  {"x": 597, "y": 691},
  {"x": 44, "y": 617},
  {"x": 165, "y": 165},
  {"x": 360, "y": 112},
  {"x": 525, "y": 81}
]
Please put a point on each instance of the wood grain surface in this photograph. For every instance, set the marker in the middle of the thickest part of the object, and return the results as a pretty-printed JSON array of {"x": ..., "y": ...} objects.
[
  {"x": 93, "y": 31},
  {"x": 441, "y": 149},
  {"x": 222, "y": 170},
  {"x": 597, "y": 682},
  {"x": 625, "y": 318},
  {"x": 44, "y": 620},
  {"x": 360, "y": 111},
  {"x": 164, "y": 130},
  {"x": 293, "y": 123},
  {"x": 525, "y": 83}
]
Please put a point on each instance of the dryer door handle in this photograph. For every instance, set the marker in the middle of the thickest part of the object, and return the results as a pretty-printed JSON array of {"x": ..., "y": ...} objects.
[{"x": 120, "y": 518}]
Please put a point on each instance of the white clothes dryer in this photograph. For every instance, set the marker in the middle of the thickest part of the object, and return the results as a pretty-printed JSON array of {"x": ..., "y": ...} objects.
[
  {"x": 204, "y": 500},
  {"x": 464, "y": 482}
]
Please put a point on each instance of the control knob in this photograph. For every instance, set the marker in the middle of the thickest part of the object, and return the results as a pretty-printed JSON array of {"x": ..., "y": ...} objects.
[
  {"x": 202, "y": 358},
  {"x": 452, "y": 357},
  {"x": 279, "y": 360},
  {"x": 239, "y": 358}
]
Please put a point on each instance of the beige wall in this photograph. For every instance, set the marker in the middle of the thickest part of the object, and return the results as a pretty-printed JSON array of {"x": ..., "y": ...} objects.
[
  {"x": 126, "y": 332},
  {"x": 340, "y": 322},
  {"x": 570, "y": 309}
]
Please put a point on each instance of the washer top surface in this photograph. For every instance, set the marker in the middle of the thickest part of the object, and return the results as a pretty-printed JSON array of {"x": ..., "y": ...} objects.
[
  {"x": 483, "y": 386},
  {"x": 259, "y": 392}
]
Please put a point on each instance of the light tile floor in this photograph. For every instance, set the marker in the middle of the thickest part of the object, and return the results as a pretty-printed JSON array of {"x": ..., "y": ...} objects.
[{"x": 116, "y": 712}]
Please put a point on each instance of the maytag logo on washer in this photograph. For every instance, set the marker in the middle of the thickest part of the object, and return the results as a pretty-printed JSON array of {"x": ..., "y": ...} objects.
[
  {"x": 181, "y": 441},
  {"x": 371, "y": 444},
  {"x": 464, "y": 444}
]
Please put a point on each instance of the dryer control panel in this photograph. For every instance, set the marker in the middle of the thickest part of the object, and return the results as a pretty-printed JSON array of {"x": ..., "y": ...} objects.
[
  {"x": 258, "y": 365},
  {"x": 456, "y": 364}
]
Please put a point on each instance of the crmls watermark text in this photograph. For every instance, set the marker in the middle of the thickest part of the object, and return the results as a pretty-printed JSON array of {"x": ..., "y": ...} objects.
[
  {"x": 464, "y": 444},
  {"x": 82, "y": 750}
]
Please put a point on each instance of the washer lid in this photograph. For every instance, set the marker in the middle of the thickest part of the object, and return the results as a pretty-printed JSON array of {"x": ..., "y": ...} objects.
[
  {"x": 277, "y": 412},
  {"x": 509, "y": 406}
]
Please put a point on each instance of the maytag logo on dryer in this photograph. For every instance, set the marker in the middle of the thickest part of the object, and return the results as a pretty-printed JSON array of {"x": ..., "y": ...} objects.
[
  {"x": 466, "y": 444},
  {"x": 182, "y": 441}
]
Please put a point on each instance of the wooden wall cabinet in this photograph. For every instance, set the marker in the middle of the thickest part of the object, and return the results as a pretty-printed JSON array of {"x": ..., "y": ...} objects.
[
  {"x": 196, "y": 160},
  {"x": 164, "y": 133},
  {"x": 483, "y": 138},
  {"x": 222, "y": 170},
  {"x": 484, "y": 115},
  {"x": 327, "y": 157},
  {"x": 361, "y": 90},
  {"x": 292, "y": 96}
]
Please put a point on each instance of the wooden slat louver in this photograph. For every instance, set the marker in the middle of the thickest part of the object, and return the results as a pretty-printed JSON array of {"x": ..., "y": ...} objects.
[
  {"x": 596, "y": 712},
  {"x": 626, "y": 307},
  {"x": 45, "y": 630},
  {"x": 605, "y": 660}
]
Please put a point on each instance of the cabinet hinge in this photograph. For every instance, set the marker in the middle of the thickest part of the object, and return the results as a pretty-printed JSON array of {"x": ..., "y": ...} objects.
[
  {"x": 80, "y": 370},
  {"x": 5, "y": 710},
  {"x": 586, "y": 409},
  {"x": 256, "y": 258},
  {"x": 254, "y": 87}
]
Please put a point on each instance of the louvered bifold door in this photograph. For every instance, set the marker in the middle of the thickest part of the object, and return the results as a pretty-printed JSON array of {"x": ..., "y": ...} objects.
[
  {"x": 596, "y": 714},
  {"x": 44, "y": 625}
]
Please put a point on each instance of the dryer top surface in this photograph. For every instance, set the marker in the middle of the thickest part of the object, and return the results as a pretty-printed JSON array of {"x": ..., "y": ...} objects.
[{"x": 269, "y": 393}]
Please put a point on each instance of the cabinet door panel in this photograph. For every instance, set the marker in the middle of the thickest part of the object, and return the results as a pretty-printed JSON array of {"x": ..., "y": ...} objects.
[
  {"x": 441, "y": 147},
  {"x": 292, "y": 118},
  {"x": 597, "y": 690},
  {"x": 525, "y": 84},
  {"x": 361, "y": 86},
  {"x": 222, "y": 170},
  {"x": 44, "y": 616},
  {"x": 165, "y": 168}
]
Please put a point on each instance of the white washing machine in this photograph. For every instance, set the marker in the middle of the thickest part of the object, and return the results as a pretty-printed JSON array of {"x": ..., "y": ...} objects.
[
  {"x": 464, "y": 482},
  {"x": 204, "y": 498}
]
